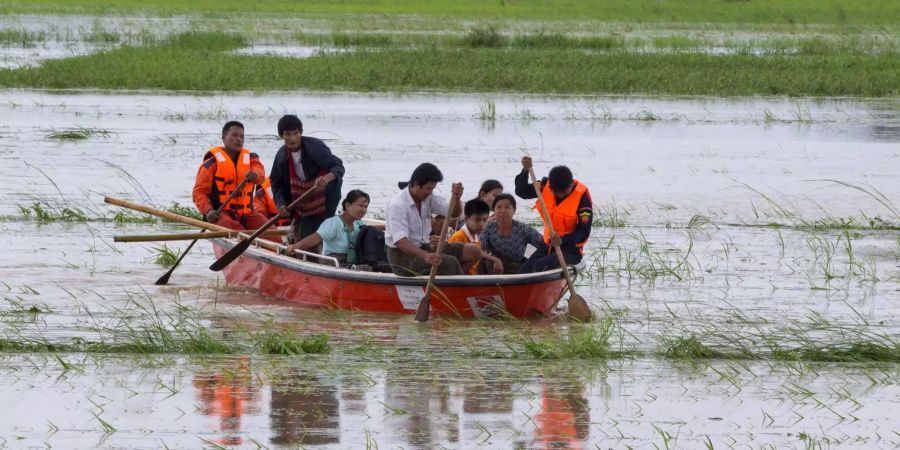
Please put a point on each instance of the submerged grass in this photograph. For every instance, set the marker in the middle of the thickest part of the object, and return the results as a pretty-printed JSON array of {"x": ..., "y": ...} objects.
[
  {"x": 196, "y": 61},
  {"x": 142, "y": 328},
  {"x": 281, "y": 342},
  {"x": 817, "y": 341},
  {"x": 581, "y": 343},
  {"x": 165, "y": 256},
  {"x": 49, "y": 212},
  {"x": 44, "y": 212},
  {"x": 76, "y": 134}
]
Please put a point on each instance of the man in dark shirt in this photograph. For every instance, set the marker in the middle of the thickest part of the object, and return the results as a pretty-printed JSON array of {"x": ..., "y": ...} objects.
[
  {"x": 305, "y": 163},
  {"x": 571, "y": 215}
]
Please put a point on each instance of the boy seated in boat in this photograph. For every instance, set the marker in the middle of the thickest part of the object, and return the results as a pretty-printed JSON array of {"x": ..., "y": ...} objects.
[
  {"x": 338, "y": 234},
  {"x": 477, "y": 213}
]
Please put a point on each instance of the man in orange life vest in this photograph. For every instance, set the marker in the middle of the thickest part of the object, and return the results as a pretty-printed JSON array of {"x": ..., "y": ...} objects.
[
  {"x": 301, "y": 164},
  {"x": 223, "y": 168},
  {"x": 571, "y": 214}
]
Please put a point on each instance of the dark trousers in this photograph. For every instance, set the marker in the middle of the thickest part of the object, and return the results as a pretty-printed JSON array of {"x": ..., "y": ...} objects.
[
  {"x": 409, "y": 266},
  {"x": 541, "y": 261},
  {"x": 307, "y": 225}
]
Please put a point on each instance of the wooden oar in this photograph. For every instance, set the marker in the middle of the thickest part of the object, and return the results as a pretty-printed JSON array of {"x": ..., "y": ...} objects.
[
  {"x": 179, "y": 218},
  {"x": 164, "y": 279},
  {"x": 192, "y": 236},
  {"x": 425, "y": 305},
  {"x": 578, "y": 308},
  {"x": 242, "y": 246}
]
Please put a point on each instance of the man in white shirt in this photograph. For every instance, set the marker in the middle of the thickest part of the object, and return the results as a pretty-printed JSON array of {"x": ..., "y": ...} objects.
[{"x": 408, "y": 225}]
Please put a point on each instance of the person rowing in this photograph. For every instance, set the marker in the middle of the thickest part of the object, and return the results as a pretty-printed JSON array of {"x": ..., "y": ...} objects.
[{"x": 225, "y": 168}]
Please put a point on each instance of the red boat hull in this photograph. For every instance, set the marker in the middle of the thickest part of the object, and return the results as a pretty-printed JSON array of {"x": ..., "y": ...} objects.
[{"x": 465, "y": 296}]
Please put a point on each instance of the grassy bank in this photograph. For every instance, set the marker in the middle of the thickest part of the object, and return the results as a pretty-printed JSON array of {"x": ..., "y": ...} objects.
[
  {"x": 860, "y": 12},
  {"x": 200, "y": 61}
]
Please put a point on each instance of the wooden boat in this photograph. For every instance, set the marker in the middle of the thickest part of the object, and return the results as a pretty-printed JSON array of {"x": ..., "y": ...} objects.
[{"x": 466, "y": 296}]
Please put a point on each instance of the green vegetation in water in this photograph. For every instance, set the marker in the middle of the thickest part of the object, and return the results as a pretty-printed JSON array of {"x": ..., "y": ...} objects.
[
  {"x": 646, "y": 263},
  {"x": 44, "y": 212},
  {"x": 183, "y": 210},
  {"x": 165, "y": 256},
  {"x": 200, "y": 61},
  {"x": 144, "y": 329},
  {"x": 282, "y": 342},
  {"x": 796, "y": 220},
  {"x": 789, "y": 12},
  {"x": 78, "y": 133},
  {"x": 819, "y": 341},
  {"x": 588, "y": 342},
  {"x": 691, "y": 347}
]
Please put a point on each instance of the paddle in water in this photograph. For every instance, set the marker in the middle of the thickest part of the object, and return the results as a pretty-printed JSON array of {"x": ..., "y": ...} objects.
[
  {"x": 425, "y": 305},
  {"x": 578, "y": 307},
  {"x": 165, "y": 278},
  {"x": 242, "y": 246}
]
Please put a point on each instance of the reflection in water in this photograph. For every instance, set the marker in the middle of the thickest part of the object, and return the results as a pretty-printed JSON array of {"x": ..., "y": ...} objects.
[
  {"x": 305, "y": 410},
  {"x": 228, "y": 394},
  {"x": 489, "y": 395},
  {"x": 420, "y": 400},
  {"x": 565, "y": 417}
]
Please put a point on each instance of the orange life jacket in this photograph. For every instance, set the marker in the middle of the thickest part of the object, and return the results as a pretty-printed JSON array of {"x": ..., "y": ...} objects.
[
  {"x": 264, "y": 202},
  {"x": 226, "y": 179},
  {"x": 264, "y": 199},
  {"x": 564, "y": 216}
]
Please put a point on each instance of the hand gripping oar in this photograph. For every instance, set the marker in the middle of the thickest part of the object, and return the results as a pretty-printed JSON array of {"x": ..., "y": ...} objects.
[
  {"x": 242, "y": 246},
  {"x": 165, "y": 278},
  {"x": 578, "y": 308},
  {"x": 425, "y": 305}
]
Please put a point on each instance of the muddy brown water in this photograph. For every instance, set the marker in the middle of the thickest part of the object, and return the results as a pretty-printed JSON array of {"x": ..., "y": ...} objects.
[{"x": 662, "y": 165}]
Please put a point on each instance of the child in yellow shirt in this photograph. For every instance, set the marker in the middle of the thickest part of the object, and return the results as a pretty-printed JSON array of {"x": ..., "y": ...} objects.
[{"x": 477, "y": 213}]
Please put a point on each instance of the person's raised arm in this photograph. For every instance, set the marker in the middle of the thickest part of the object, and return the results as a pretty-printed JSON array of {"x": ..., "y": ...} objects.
[{"x": 524, "y": 186}]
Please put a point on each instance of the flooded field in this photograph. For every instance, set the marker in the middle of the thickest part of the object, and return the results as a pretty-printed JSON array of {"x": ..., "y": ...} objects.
[{"x": 744, "y": 262}]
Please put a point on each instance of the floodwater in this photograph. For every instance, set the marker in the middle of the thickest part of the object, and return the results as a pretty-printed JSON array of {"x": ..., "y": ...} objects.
[{"x": 694, "y": 181}]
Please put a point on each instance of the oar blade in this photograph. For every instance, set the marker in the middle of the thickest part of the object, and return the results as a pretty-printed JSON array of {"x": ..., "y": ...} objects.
[
  {"x": 579, "y": 309},
  {"x": 424, "y": 309},
  {"x": 164, "y": 280},
  {"x": 232, "y": 254}
]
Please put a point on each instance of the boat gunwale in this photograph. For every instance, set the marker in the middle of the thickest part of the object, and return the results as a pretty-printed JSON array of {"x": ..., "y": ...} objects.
[{"x": 324, "y": 271}]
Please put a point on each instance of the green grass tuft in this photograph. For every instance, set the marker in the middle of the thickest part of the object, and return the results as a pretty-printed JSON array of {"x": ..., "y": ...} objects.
[
  {"x": 279, "y": 342},
  {"x": 165, "y": 256},
  {"x": 591, "y": 342},
  {"x": 690, "y": 347},
  {"x": 44, "y": 213}
]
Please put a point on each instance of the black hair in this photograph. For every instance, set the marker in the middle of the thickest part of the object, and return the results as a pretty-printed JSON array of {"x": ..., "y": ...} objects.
[
  {"x": 229, "y": 124},
  {"x": 353, "y": 196},
  {"x": 560, "y": 178},
  {"x": 426, "y": 173},
  {"x": 504, "y": 196},
  {"x": 289, "y": 122},
  {"x": 476, "y": 207},
  {"x": 488, "y": 186}
]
